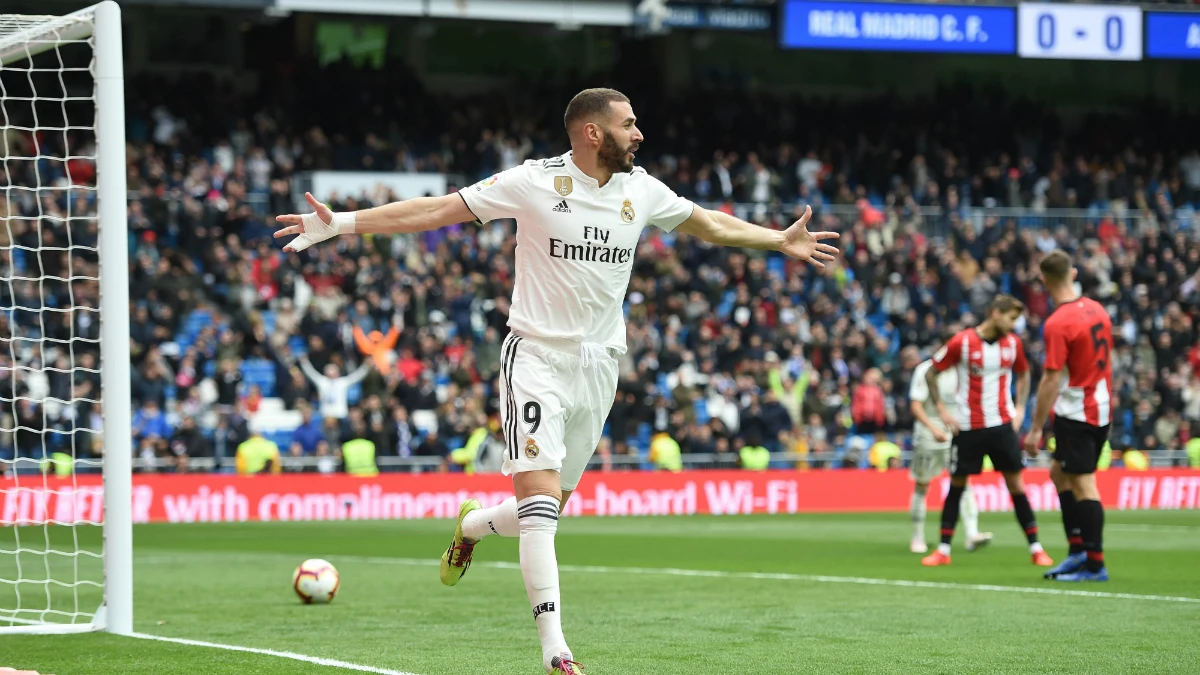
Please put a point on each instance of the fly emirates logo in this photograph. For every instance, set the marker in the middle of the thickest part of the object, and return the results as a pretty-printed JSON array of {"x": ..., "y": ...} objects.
[{"x": 594, "y": 248}]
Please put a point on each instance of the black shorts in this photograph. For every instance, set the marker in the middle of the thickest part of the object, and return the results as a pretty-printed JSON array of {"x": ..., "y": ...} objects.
[
  {"x": 999, "y": 443},
  {"x": 1077, "y": 445}
]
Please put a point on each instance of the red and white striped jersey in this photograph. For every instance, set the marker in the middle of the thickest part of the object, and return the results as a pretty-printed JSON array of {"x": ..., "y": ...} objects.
[
  {"x": 985, "y": 376},
  {"x": 1079, "y": 338}
]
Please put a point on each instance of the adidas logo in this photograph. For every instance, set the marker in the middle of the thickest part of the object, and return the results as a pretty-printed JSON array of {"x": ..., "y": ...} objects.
[{"x": 561, "y": 207}]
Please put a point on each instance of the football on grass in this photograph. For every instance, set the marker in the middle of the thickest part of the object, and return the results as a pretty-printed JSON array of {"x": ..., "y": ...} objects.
[{"x": 315, "y": 581}]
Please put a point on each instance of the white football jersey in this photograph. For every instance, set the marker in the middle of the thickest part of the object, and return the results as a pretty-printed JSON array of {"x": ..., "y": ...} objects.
[
  {"x": 947, "y": 382},
  {"x": 575, "y": 243}
]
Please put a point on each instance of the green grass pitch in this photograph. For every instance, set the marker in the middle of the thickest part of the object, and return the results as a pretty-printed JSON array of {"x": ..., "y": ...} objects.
[{"x": 814, "y": 610}]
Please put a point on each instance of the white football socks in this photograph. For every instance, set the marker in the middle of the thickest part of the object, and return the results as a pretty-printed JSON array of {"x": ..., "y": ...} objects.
[
  {"x": 500, "y": 519},
  {"x": 969, "y": 511},
  {"x": 538, "y": 522},
  {"x": 917, "y": 510}
]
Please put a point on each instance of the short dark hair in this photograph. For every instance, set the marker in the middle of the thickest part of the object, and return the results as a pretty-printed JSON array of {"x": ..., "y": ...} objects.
[
  {"x": 1004, "y": 304},
  {"x": 589, "y": 103},
  {"x": 1056, "y": 267}
]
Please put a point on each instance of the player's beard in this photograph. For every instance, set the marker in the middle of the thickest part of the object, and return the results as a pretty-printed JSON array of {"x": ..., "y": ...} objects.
[{"x": 613, "y": 157}]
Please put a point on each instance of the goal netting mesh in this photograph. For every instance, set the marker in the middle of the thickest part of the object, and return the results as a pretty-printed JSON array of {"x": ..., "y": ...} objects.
[{"x": 51, "y": 545}]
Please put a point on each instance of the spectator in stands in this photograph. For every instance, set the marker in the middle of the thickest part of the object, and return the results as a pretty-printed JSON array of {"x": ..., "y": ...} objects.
[
  {"x": 30, "y": 429},
  {"x": 775, "y": 419},
  {"x": 333, "y": 389},
  {"x": 868, "y": 408},
  {"x": 432, "y": 446},
  {"x": 188, "y": 442},
  {"x": 294, "y": 456},
  {"x": 358, "y": 452},
  {"x": 327, "y": 460},
  {"x": 198, "y": 256},
  {"x": 231, "y": 431},
  {"x": 295, "y": 389},
  {"x": 252, "y": 400},
  {"x": 1193, "y": 447},
  {"x": 258, "y": 455},
  {"x": 377, "y": 346},
  {"x": 754, "y": 456},
  {"x": 1167, "y": 428},
  {"x": 149, "y": 423},
  {"x": 883, "y": 454},
  {"x": 665, "y": 453},
  {"x": 402, "y": 433},
  {"x": 229, "y": 381},
  {"x": 332, "y": 432},
  {"x": 309, "y": 433}
]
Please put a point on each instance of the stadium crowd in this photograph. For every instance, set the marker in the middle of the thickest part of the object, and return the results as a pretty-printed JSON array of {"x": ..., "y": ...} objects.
[{"x": 396, "y": 340}]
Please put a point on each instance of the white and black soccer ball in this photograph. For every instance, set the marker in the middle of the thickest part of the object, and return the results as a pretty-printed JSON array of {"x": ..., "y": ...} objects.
[{"x": 316, "y": 581}]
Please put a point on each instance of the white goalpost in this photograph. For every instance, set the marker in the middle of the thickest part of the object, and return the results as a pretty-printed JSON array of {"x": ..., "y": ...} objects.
[{"x": 66, "y": 545}]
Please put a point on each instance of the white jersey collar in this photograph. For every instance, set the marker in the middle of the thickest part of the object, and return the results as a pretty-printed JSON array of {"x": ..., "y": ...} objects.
[{"x": 578, "y": 174}]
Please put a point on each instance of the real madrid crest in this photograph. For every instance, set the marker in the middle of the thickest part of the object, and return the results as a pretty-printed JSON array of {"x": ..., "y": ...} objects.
[
  {"x": 563, "y": 185},
  {"x": 531, "y": 446},
  {"x": 627, "y": 213}
]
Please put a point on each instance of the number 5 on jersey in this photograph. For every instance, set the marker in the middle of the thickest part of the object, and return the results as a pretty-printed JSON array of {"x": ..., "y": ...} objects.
[{"x": 1100, "y": 340}]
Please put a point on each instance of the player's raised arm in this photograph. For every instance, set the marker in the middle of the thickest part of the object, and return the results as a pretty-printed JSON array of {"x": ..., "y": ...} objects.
[
  {"x": 411, "y": 215},
  {"x": 796, "y": 241}
]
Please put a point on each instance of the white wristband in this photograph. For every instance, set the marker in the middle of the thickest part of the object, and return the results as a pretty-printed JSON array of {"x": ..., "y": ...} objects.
[{"x": 343, "y": 222}]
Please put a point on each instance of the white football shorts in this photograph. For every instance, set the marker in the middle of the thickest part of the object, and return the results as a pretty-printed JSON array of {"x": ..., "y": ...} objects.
[
  {"x": 555, "y": 396},
  {"x": 929, "y": 460}
]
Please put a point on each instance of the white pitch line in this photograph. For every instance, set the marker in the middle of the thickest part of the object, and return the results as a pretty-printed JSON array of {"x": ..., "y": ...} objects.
[
  {"x": 719, "y": 574},
  {"x": 333, "y": 663},
  {"x": 813, "y": 578}
]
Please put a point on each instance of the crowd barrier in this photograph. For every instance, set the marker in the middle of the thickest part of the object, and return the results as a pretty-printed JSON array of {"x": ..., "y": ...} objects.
[{"x": 226, "y": 498}]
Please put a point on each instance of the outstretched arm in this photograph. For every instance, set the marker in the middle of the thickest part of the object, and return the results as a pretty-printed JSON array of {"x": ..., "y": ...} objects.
[
  {"x": 365, "y": 346},
  {"x": 412, "y": 215},
  {"x": 389, "y": 340},
  {"x": 796, "y": 241},
  {"x": 317, "y": 378},
  {"x": 358, "y": 375}
]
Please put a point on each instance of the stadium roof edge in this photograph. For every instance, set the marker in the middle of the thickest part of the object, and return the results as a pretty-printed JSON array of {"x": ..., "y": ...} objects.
[{"x": 559, "y": 12}]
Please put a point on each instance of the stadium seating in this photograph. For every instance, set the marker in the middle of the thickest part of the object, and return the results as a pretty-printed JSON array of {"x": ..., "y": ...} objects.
[{"x": 891, "y": 227}]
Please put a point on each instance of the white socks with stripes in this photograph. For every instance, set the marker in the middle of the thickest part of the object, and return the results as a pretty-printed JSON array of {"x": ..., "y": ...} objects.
[
  {"x": 500, "y": 519},
  {"x": 535, "y": 520},
  {"x": 538, "y": 522}
]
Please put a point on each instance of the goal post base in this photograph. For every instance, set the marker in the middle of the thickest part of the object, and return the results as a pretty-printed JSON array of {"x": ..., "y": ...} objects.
[
  {"x": 17, "y": 626},
  {"x": 39, "y": 628}
]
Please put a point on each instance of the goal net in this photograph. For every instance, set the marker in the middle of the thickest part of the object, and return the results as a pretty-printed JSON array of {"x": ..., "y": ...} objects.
[{"x": 65, "y": 542}]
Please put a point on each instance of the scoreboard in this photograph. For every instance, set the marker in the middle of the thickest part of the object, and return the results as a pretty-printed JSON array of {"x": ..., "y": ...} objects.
[
  {"x": 1093, "y": 32},
  {"x": 1034, "y": 30}
]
